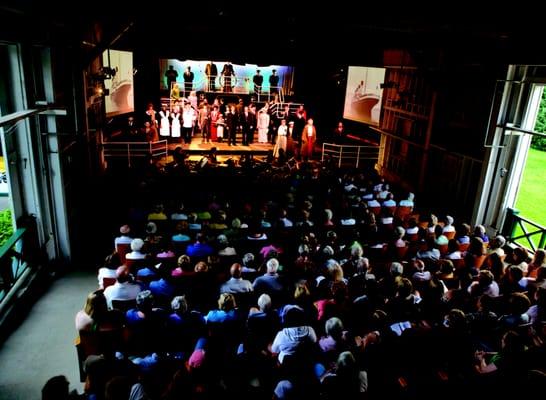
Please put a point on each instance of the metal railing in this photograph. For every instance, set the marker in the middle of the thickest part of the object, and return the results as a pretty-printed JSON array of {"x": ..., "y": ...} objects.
[
  {"x": 12, "y": 262},
  {"x": 523, "y": 231},
  {"x": 129, "y": 150},
  {"x": 236, "y": 85},
  {"x": 350, "y": 155}
]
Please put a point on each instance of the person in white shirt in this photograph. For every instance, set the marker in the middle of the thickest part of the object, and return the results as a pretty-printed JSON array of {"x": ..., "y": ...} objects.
[
  {"x": 136, "y": 247},
  {"x": 236, "y": 284},
  {"x": 282, "y": 131},
  {"x": 295, "y": 336},
  {"x": 124, "y": 238},
  {"x": 123, "y": 289}
]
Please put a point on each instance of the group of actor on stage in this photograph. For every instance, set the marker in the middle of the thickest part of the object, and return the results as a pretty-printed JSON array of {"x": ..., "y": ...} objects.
[{"x": 292, "y": 133}]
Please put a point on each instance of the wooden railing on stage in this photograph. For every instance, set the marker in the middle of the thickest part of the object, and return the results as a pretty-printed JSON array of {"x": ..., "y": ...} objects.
[
  {"x": 130, "y": 150},
  {"x": 350, "y": 155}
]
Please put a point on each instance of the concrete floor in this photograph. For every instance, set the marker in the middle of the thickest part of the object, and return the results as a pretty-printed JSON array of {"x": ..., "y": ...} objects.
[{"x": 43, "y": 345}]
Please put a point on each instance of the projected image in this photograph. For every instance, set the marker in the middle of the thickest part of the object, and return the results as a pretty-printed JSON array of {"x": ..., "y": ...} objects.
[
  {"x": 363, "y": 94},
  {"x": 179, "y": 77},
  {"x": 120, "y": 86}
]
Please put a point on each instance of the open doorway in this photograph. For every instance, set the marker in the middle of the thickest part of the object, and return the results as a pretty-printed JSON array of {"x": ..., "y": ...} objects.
[{"x": 531, "y": 190}]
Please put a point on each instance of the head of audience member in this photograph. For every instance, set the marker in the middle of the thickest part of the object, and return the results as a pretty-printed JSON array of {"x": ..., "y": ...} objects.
[
  {"x": 145, "y": 301},
  {"x": 399, "y": 232},
  {"x": 201, "y": 267},
  {"x": 456, "y": 320},
  {"x": 264, "y": 303},
  {"x": 151, "y": 228},
  {"x": 117, "y": 388},
  {"x": 520, "y": 255},
  {"x": 179, "y": 305},
  {"x": 137, "y": 244},
  {"x": 122, "y": 274},
  {"x": 200, "y": 238},
  {"x": 293, "y": 316},
  {"x": 396, "y": 269},
  {"x": 112, "y": 261},
  {"x": 448, "y": 220},
  {"x": 226, "y": 302},
  {"x": 236, "y": 270},
  {"x": 125, "y": 230},
  {"x": 539, "y": 258},
  {"x": 56, "y": 388},
  {"x": 248, "y": 260},
  {"x": 272, "y": 266},
  {"x": 334, "y": 328},
  {"x": 95, "y": 305}
]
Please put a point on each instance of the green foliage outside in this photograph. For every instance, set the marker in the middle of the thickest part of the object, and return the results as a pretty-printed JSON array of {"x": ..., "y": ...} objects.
[
  {"x": 6, "y": 226},
  {"x": 538, "y": 142}
]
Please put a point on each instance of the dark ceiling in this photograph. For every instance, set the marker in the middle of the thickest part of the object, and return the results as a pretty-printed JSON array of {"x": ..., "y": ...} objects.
[{"x": 274, "y": 33}]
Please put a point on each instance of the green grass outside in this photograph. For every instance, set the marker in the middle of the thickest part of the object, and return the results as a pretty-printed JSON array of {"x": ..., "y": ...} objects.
[{"x": 532, "y": 193}]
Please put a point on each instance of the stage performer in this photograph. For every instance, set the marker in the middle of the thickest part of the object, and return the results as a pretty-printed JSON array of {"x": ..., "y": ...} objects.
[
  {"x": 211, "y": 72},
  {"x": 308, "y": 139},
  {"x": 228, "y": 73},
  {"x": 214, "y": 114},
  {"x": 175, "y": 123},
  {"x": 282, "y": 132},
  {"x": 188, "y": 80},
  {"x": 258, "y": 82},
  {"x": 263, "y": 124},
  {"x": 164, "y": 123}
]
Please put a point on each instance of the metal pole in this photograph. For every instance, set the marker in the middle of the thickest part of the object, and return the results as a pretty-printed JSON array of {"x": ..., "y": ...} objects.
[
  {"x": 358, "y": 156},
  {"x": 128, "y": 155},
  {"x": 340, "y": 155}
]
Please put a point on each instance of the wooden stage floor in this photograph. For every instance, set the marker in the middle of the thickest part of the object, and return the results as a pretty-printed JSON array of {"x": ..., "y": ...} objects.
[{"x": 198, "y": 147}]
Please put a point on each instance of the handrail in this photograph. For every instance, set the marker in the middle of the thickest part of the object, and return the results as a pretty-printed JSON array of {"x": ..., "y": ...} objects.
[
  {"x": 513, "y": 221},
  {"x": 350, "y": 154},
  {"x": 12, "y": 264},
  {"x": 11, "y": 241},
  {"x": 135, "y": 149}
]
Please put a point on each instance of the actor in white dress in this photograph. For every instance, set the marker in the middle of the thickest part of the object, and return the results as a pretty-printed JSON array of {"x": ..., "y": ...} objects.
[
  {"x": 175, "y": 124},
  {"x": 164, "y": 124},
  {"x": 263, "y": 125}
]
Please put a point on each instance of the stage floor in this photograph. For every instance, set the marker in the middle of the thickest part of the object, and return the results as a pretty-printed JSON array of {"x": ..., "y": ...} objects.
[{"x": 198, "y": 147}]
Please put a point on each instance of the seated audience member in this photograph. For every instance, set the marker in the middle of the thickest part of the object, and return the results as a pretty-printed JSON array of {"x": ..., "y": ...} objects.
[
  {"x": 462, "y": 234},
  {"x": 200, "y": 249},
  {"x": 448, "y": 224},
  {"x": 269, "y": 283},
  {"x": 179, "y": 214},
  {"x": 224, "y": 249},
  {"x": 408, "y": 202},
  {"x": 57, "y": 388},
  {"x": 226, "y": 311},
  {"x": 335, "y": 341},
  {"x": 136, "y": 250},
  {"x": 485, "y": 285},
  {"x": 297, "y": 338},
  {"x": 519, "y": 259},
  {"x": 123, "y": 289},
  {"x": 262, "y": 325},
  {"x": 479, "y": 231},
  {"x": 346, "y": 380},
  {"x": 538, "y": 261},
  {"x": 441, "y": 239},
  {"x": 194, "y": 225},
  {"x": 496, "y": 246},
  {"x": 236, "y": 284},
  {"x": 185, "y": 326},
  {"x": 90, "y": 318},
  {"x": 111, "y": 264},
  {"x": 163, "y": 288},
  {"x": 157, "y": 214},
  {"x": 124, "y": 238}
]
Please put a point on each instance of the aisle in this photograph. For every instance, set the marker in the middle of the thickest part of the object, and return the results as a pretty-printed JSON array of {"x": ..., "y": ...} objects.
[{"x": 43, "y": 346}]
